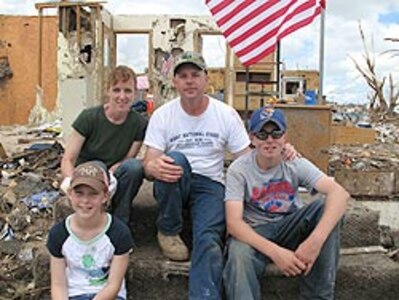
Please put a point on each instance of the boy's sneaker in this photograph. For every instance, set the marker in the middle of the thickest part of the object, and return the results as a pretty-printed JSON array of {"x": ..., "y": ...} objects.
[{"x": 173, "y": 247}]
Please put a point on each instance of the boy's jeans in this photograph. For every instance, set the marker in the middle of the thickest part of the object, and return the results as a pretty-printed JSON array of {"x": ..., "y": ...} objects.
[
  {"x": 245, "y": 266},
  {"x": 205, "y": 199}
]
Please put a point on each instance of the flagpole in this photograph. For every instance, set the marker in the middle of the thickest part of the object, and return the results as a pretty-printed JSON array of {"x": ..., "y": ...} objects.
[
  {"x": 321, "y": 56},
  {"x": 278, "y": 71},
  {"x": 246, "y": 97}
]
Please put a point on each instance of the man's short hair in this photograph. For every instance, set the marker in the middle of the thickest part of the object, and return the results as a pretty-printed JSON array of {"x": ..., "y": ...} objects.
[{"x": 122, "y": 73}]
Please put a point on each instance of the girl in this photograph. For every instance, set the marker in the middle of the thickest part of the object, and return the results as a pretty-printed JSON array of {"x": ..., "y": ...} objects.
[{"x": 90, "y": 248}]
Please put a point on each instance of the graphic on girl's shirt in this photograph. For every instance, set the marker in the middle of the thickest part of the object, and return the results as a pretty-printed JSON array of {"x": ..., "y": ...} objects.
[
  {"x": 96, "y": 276},
  {"x": 274, "y": 196}
]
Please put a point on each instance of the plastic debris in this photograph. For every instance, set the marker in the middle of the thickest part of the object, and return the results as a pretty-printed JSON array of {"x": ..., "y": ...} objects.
[
  {"x": 41, "y": 200},
  {"x": 6, "y": 234},
  {"x": 26, "y": 254}
]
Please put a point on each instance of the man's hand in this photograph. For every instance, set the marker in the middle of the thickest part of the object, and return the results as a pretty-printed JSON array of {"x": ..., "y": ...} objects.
[
  {"x": 290, "y": 153},
  {"x": 288, "y": 262},
  {"x": 308, "y": 251},
  {"x": 164, "y": 169}
]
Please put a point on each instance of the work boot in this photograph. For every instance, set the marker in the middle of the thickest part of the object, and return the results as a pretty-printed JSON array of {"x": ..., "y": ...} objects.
[{"x": 173, "y": 247}]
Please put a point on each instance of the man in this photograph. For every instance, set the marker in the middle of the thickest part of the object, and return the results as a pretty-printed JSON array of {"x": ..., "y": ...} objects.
[
  {"x": 111, "y": 133},
  {"x": 186, "y": 140},
  {"x": 267, "y": 221}
]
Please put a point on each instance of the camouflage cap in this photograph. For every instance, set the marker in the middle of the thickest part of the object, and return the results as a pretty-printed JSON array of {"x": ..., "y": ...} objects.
[{"x": 190, "y": 57}]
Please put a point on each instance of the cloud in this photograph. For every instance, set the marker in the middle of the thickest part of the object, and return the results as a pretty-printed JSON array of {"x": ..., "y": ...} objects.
[
  {"x": 18, "y": 7},
  {"x": 156, "y": 7}
]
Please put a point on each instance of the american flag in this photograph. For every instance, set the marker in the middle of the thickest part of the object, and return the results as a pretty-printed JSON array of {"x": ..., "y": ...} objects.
[
  {"x": 253, "y": 27},
  {"x": 168, "y": 61}
]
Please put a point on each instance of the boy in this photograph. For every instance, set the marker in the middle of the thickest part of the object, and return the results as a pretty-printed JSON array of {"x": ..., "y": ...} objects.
[
  {"x": 90, "y": 248},
  {"x": 267, "y": 221}
]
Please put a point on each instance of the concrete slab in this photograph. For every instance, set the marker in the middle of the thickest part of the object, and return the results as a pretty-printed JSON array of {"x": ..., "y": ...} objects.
[
  {"x": 367, "y": 183},
  {"x": 388, "y": 211}
]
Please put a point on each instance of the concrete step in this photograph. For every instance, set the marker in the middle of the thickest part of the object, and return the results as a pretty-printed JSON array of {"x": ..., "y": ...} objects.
[
  {"x": 360, "y": 228},
  {"x": 152, "y": 276},
  {"x": 361, "y": 224},
  {"x": 360, "y": 276}
]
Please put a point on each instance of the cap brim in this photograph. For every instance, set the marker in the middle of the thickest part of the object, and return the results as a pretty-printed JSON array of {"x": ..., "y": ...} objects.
[
  {"x": 175, "y": 69},
  {"x": 91, "y": 182},
  {"x": 260, "y": 125}
]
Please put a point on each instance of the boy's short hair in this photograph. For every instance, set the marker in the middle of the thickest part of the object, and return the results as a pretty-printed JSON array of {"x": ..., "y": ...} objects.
[
  {"x": 122, "y": 73},
  {"x": 90, "y": 174}
]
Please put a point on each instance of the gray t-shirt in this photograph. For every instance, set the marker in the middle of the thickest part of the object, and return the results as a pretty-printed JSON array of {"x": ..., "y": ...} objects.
[{"x": 269, "y": 195}]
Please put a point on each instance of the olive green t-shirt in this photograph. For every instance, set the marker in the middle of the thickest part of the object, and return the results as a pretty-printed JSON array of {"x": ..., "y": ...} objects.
[{"x": 106, "y": 141}]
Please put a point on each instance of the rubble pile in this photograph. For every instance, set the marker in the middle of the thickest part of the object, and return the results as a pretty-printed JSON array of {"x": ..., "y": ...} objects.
[
  {"x": 359, "y": 116},
  {"x": 382, "y": 155},
  {"x": 351, "y": 115},
  {"x": 388, "y": 132},
  {"x": 378, "y": 156},
  {"x": 28, "y": 189}
]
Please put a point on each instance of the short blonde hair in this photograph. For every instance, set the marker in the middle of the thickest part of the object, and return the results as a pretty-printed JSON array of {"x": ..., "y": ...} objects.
[{"x": 122, "y": 73}]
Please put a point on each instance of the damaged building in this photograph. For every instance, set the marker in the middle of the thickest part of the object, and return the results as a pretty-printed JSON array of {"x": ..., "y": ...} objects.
[{"x": 77, "y": 48}]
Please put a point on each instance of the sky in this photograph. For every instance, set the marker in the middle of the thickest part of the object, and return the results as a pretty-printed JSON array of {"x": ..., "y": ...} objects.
[{"x": 342, "y": 83}]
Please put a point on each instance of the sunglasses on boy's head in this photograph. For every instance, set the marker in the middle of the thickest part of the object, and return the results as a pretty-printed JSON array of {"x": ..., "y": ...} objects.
[{"x": 275, "y": 134}]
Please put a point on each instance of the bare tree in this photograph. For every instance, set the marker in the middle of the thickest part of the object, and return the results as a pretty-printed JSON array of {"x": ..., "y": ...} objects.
[
  {"x": 393, "y": 96},
  {"x": 381, "y": 103},
  {"x": 395, "y": 52}
]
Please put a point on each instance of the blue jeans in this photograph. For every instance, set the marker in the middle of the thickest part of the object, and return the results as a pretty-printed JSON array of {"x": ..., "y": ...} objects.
[
  {"x": 205, "y": 199},
  {"x": 130, "y": 176},
  {"x": 245, "y": 266},
  {"x": 89, "y": 297}
]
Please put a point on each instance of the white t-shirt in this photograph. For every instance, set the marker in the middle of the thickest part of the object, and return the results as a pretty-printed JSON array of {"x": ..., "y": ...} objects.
[{"x": 203, "y": 139}]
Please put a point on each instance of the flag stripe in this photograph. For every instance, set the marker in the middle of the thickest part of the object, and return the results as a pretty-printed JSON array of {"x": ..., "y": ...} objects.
[
  {"x": 274, "y": 41},
  {"x": 235, "y": 14},
  {"x": 254, "y": 57},
  {"x": 222, "y": 6},
  {"x": 247, "y": 17},
  {"x": 252, "y": 28},
  {"x": 271, "y": 21},
  {"x": 256, "y": 39}
]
